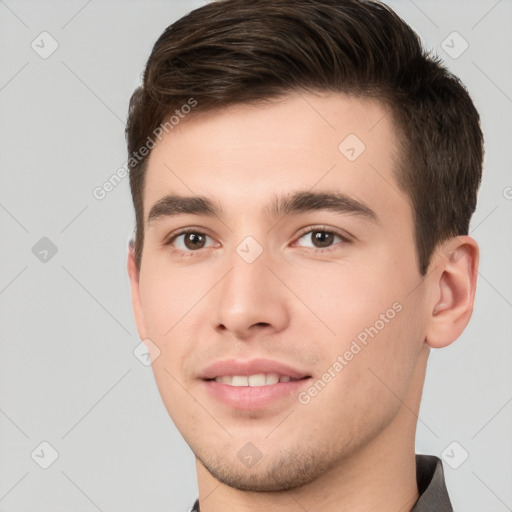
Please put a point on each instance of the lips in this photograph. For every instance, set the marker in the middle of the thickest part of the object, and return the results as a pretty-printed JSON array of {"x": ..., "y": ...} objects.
[
  {"x": 255, "y": 380},
  {"x": 252, "y": 384},
  {"x": 252, "y": 368}
]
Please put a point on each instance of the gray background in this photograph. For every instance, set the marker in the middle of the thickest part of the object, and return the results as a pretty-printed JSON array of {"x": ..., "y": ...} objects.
[{"x": 68, "y": 375}]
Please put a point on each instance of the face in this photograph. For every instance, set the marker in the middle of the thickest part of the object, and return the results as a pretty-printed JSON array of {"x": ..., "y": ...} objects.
[{"x": 292, "y": 305}]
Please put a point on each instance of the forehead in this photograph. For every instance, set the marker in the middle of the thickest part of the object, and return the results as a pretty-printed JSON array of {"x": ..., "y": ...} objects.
[{"x": 245, "y": 153}]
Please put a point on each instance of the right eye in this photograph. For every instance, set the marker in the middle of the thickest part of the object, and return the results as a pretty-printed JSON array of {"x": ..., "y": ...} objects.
[{"x": 188, "y": 241}]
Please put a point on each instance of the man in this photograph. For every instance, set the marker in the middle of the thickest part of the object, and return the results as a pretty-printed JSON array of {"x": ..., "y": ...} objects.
[{"x": 303, "y": 177}]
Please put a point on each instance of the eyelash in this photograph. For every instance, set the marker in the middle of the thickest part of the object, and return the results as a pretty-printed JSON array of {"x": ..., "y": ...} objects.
[{"x": 323, "y": 229}]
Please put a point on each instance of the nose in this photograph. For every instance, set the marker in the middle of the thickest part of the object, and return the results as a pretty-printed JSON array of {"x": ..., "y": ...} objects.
[{"x": 251, "y": 300}]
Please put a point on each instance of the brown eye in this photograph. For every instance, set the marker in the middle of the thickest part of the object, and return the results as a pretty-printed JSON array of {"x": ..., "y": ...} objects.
[
  {"x": 194, "y": 240},
  {"x": 322, "y": 238},
  {"x": 190, "y": 241}
]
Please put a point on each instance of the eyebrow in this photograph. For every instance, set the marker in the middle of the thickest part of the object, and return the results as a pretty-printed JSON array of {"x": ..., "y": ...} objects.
[{"x": 280, "y": 206}]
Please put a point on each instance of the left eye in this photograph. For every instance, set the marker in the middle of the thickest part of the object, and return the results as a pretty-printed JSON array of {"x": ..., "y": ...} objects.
[{"x": 320, "y": 238}]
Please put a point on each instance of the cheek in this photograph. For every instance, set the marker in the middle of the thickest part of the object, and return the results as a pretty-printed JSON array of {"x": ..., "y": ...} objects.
[
  {"x": 365, "y": 379},
  {"x": 167, "y": 295},
  {"x": 167, "y": 301},
  {"x": 371, "y": 325},
  {"x": 179, "y": 402},
  {"x": 341, "y": 300}
]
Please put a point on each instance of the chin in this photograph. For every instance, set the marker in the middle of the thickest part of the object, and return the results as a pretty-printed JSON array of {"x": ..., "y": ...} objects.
[{"x": 281, "y": 473}]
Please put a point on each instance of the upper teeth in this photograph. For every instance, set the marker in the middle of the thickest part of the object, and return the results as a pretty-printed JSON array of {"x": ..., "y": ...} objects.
[{"x": 258, "y": 379}]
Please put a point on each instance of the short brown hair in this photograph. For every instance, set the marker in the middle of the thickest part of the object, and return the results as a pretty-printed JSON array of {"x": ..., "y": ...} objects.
[{"x": 251, "y": 51}]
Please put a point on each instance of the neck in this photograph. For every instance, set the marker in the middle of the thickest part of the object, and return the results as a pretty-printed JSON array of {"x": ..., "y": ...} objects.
[{"x": 379, "y": 477}]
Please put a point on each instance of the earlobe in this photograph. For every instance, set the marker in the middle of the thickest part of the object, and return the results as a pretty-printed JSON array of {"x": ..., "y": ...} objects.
[
  {"x": 454, "y": 290},
  {"x": 134, "y": 274}
]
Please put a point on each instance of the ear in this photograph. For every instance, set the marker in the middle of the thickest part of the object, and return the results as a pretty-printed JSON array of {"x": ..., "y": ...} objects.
[
  {"x": 453, "y": 290},
  {"x": 133, "y": 273}
]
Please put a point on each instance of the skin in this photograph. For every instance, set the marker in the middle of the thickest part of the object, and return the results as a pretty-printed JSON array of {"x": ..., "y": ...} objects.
[{"x": 351, "y": 447}]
